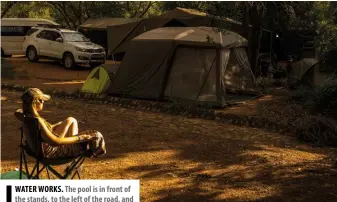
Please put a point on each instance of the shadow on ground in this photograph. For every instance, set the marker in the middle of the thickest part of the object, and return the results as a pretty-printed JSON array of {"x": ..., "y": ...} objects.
[{"x": 181, "y": 159}]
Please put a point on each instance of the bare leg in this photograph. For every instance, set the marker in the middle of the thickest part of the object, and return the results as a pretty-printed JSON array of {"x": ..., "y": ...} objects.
[{"x": 67, "y": 128}]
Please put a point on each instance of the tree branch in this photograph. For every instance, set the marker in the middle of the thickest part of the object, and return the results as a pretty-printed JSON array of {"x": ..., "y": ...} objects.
[
  {"x": 58, "y": 7},
  {"x": 145, "y": 10},
  {"x": 9, "y": 6},
  {"x": 139, "y": 6},
  {"x": 77, "y": 11}
]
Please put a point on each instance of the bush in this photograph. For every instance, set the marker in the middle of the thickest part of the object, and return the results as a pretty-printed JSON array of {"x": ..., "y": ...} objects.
[
  {"x": 302, "y": 94},
  {"x": 316, "y": 129},
  {"x": 329, "y": 60},
  {"x": 269, "y": 81},
  {"x": 326, "y": 99},
  {"x": 326, "y": 95},
  {"x": 320, "y": 99}
]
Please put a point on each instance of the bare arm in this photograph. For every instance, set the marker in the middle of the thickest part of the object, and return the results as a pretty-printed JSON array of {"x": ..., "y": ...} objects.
[{"x": 51, "y": 138}]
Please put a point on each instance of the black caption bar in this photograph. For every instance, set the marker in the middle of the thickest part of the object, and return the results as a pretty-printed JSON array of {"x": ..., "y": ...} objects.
[{"x": 9, "y": 193}]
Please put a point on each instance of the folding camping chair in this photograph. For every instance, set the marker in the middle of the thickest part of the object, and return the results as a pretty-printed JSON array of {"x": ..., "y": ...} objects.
[{"x": 30, "y": 126}]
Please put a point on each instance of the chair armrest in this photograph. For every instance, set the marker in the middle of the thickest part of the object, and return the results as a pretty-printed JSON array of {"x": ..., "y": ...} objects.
[{"x": 19, "y": 115}]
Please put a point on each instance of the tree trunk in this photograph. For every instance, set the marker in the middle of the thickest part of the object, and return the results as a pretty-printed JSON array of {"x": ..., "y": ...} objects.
[
  {"x": 245, "y": 21},
  {"x": 254, "y": 39}
]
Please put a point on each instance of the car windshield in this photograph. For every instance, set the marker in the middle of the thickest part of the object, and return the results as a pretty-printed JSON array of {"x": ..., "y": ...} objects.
[{"x": 75, "y": 37}]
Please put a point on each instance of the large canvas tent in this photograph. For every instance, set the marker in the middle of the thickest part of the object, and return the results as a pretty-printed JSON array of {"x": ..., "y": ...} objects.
[
  {"x": 96, "y": 29},
  {"x": 195, "y": 64},
  {"x": 120, "y": 35}
]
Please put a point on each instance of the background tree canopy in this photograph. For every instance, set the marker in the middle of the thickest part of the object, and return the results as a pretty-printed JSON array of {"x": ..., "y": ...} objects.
[{"x": 276, "y": 16}]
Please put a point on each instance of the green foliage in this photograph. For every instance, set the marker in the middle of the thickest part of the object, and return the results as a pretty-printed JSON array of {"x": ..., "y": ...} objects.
[
  {"x": 320, "y": 99},
  {"x": 316, "y": 129},
  {"x": 326, "y": 17},
  {"x": 71, "y": 14},
  {"x": 29, "y": 10},
  {"x": 269, "y": 82},
  {"x": 314, "y": 15},
  {"x": 302, "y": 94},
  {"x": 198, "y": 5},
  {"x": 326, "y": 96}
]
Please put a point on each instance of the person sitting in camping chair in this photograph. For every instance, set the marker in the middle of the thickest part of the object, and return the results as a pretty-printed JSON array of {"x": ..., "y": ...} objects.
[{"x": 61, "y": 139}]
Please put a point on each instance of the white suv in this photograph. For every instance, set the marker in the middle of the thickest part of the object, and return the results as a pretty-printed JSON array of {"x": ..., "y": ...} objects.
[{"x": 68, "y": 46}]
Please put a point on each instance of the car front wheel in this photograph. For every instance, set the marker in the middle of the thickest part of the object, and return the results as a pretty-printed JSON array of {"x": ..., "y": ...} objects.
[
  {"x": 68, "y": 61},
  {"x": 32, "y": 54}
]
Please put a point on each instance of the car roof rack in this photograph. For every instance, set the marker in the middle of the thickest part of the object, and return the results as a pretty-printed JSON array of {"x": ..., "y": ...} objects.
[{"x": 49, "y": 26}]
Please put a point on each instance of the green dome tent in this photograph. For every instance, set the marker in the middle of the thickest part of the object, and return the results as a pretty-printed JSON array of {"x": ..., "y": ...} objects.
[{"x": 99, "y": 79}]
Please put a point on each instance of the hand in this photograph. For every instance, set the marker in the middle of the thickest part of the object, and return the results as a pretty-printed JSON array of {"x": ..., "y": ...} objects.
[
  {"x": 56, "y": 124},
  {"x": 86, "y": 137}
]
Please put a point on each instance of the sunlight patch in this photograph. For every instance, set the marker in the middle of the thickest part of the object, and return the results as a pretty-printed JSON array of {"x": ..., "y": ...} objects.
[
  {"x": 275, "y": 155},
  {"x": 64, "y": 82}
]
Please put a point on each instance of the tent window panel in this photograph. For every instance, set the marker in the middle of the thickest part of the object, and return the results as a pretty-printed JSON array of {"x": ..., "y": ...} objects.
[
  {"x": 208, "y": 92},
  {"x": 224, "y": 54},
  {"x": 238, "y": 76},
  {"x": 188, "y": 74}
]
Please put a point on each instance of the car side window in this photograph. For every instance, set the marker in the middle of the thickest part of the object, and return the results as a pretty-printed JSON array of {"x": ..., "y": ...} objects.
[
  {"x": 42, "y": 35},
  {"x": 48, "y": 35},
  {"x": 31, "y": 31},
  {"x": 54, "y": 35}
]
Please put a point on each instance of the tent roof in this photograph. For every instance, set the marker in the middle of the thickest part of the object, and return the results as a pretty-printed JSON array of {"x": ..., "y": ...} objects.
[
  {"x": 182, "y": 12},
  {"x": 188, "y": 13},
  {"x": 301, "y": 67},
  {"x": 194, "y": 35},
  {"x": 103, "y": 23}
]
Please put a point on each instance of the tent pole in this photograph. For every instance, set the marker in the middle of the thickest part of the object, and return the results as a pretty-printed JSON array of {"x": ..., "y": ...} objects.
[
  {"x": 220, "y": 99},
  {"x": 171, "y": 57},
  {"x": 125, "y": 38}
]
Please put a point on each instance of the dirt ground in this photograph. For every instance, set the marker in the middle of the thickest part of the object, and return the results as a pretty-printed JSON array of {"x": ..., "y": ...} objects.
[
  {"x": 44, "y": 74},
  {"x": 184, "y": 159}
]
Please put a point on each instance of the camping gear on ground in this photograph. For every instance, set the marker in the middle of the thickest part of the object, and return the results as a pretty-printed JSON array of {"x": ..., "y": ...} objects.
[
  {"x": 264, "y": 64},
  {"x": 198, "y": 64},
  {"x": 99, "y": 79},
  {"x": 31, "y": 128},
  {"x": 281, "y": 70},
  {"x": 303, "y": 72}
]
